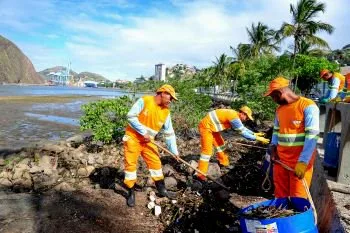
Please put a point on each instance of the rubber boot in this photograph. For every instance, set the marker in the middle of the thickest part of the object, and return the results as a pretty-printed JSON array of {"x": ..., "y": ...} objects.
[
  {"x": 130, "y": 201},
  {"x": 162, "y": 190}
]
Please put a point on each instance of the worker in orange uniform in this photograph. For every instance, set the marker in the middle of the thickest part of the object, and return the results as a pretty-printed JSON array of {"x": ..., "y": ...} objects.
[
  {"x": 210, "y": 127},
  {"x": 294, "y": 139},
  {"x": 147, "y": 117},
  {"x": 336, "y": 85}
]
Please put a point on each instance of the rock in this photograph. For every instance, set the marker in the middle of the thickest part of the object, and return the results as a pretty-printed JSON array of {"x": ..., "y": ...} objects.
[
  {"x": 54, "y": 148},
  {"x": 196, "y": 185},
  {"x": 47, "y": 171},
  {"x": 77, "y": 155},
  {"x": 150, "y": 182},
  {"x": 82, "y": 172},
  {"x": 2, "y": 162},
  {"x": 214, "y": 170},
  {"x": 5, "y": 174},
  {"x": 91, "y": 160},
  {"x": 64, "y": 187},
  {"x": 35, "y": 169},
  {"x": 26, "y": 176},
  {"x": 25, "y": 161},
  {"x": 42, "y": 180},
  {"x": 99, "y": 160},
  {"x": 48, "y": 162},
  {"x": 76, "y": 140},
  {"x": 83, "y": 161},
  {"x": 89, "y": 170},
  {"x": 170, "y": 183},
  {"x": 168, "y": 170},
  {"x": 5, "y": 183},
  {"x": 22, "y": 185},
  {"x": 19, "y": 169},
  {"x": 193, "y": 164}
]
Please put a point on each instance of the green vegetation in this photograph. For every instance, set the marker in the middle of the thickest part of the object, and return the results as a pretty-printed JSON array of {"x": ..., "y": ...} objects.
[{"x": 106, "y": 118}]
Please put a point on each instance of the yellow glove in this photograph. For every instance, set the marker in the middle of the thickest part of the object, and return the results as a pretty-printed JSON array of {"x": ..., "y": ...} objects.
[
  {"x": 336, "y": 100},
  {"x": 300, "y": 170},
  {"x": 262, "y": 140},
  {"x": 259, "y": 134}
]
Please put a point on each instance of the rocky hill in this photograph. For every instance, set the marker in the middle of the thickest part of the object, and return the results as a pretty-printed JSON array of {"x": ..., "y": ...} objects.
[
  {"x": 84, "y": 76},
  {"x": 181, "y": 70},
  {"x": 15, "y": 67}
]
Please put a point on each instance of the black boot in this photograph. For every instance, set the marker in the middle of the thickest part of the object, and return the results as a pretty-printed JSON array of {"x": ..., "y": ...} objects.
[
  {"x": 162, "y": 190},
  {"x": 130, "y": 201}
]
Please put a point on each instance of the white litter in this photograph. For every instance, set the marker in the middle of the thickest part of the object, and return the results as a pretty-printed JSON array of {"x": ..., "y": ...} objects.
[
  {"x": 157, "y": 210},
  {"x": 151, "y": 205},
  {"x": 174, "y": 201},
  {"x": 152, "y": 198}
]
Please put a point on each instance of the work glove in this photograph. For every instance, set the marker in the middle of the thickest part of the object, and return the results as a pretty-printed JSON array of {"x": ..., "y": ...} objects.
[
  {"x": 259, "y": 134},
  {"x": 336, "y": 100},
  {"x": 300, "y": 170},
  {"x": 262, "y": 140}
]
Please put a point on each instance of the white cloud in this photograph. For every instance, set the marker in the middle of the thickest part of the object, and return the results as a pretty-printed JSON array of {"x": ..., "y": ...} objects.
[{"x": 195, "y": 34}]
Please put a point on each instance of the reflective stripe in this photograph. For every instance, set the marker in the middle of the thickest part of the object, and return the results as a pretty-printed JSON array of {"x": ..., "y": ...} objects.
[
  {"x": 312, "y": 132},
  {"x": 312, "y": 136},
  {"x": 291, "y": 139},
  {"x": 205, "y": 158},
  {"x": 215, "y": 120},
  {"x": 220, "y": 148},
  {"x": 130, "y": 175},
  {"x": 156, "y": 173}
]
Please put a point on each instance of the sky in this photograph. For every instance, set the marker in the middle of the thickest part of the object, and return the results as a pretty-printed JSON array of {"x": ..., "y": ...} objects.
[{"x": 124, "y": 39}]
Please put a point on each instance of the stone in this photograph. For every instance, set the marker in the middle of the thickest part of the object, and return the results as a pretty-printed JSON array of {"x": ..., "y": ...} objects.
[
  {"x": 49, "y": 162},
  {"x": 214, "y": 170},
  {"x": 22, "y": 185},
  {"x": 25, "y": 161},
  {"x": 76, "y": 140},
  {"x": 64, "y": 187},
  {"x": 5, "y": 183},
  {"x": 2, "y": 162},
  {"x": 82, "y": 172},
  {"x": 77, "y": 155},
  {"x": 193, "y": 164},
  {"x": 42, "y": 180},
  {"x": 222, "y": 195},
  {"x": 54, "y": 148},
  {"x": 5, "y": 174},
  {"x": 168, "y": 170},
  {"x": 19, "y": 169},
  {"x": 83, "y": 161},
  {"x": 26, "y": 176},
  {"x": 91, "y": 160},
  {"x": 89, "y": 170},
  {"x": 170, "y": 183},
  {"x": 35, "y": 169},
  {"x": 47, "y": 171},
  {"x": 99, "y": 160}
]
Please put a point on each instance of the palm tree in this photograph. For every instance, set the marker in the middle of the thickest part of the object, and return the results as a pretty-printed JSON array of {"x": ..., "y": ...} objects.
[
  {"x": 308, "y": 49},
  {"x": 221, "y": 68},
  {"x": 242, "y": 52},
  {"x": 263, "y": 40},
  {"x": 304, "y": 26}
]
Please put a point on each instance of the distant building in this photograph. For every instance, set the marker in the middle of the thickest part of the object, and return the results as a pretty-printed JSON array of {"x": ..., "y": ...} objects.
[
  {"x": 59, "y": 78},
  {"x": 159, "y": 74}
]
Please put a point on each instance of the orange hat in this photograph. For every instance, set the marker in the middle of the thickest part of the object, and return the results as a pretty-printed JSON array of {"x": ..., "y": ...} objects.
[
  {"x": 323, "y": 72},
  {"x": 168, "y": 89},
  {"x": 277, "y": 84},
  {"x": 247, "y": 111}
]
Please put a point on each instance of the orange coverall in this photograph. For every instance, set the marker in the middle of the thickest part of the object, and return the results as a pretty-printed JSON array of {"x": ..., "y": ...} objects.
[{"x": 295, "y": 135}]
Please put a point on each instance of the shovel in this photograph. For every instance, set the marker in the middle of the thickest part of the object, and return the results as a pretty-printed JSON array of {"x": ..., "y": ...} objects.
[{"x": 186, "y": 163}]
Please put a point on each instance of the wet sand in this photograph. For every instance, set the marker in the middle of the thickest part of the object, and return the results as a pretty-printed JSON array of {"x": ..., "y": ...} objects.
[{"x": 26, "y": 120}]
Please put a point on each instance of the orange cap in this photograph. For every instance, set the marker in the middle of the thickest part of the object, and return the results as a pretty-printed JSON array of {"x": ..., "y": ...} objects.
[
  {"x": 168, "y": 89},
  {"x": 277, "y": 84},
  {"x": 323, "y": 72},
  {"x": 247, "y": 111}
]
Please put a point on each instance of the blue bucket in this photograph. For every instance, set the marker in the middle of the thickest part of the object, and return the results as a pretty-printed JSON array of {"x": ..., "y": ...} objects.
[
  {"x": 331, "y": 153},
  {"x": 299, "y": 223}
]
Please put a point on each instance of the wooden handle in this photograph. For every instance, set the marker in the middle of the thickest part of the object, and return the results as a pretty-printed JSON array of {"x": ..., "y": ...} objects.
[{"x": 184, "y": 162}]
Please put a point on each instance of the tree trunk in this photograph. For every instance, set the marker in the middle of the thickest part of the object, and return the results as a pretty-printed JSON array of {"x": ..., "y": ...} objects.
[{"x": 293, "y": 64}]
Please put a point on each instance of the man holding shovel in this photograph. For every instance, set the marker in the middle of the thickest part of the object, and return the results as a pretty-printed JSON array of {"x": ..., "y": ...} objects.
[
  {"x": 294, "y": 139},
  {"x": 210, "y": 127},
  {"x": 146, "y": 118}
]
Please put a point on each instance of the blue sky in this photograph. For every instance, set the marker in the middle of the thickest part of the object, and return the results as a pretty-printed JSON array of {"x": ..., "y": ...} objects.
[{"x": 123, "y": 39}]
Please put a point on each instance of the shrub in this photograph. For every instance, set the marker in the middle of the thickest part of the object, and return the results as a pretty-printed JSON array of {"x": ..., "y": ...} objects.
[{"x": 106, "y": 118}]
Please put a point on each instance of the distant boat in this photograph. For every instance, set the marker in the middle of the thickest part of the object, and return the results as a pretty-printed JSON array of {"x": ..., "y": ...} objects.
[{"x": 90, "y": 84}]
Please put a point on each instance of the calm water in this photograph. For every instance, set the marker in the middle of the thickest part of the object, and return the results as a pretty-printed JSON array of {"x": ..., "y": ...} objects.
[
  {"x": 23, "y": 123},
  {"x": 14, "y": 90}
]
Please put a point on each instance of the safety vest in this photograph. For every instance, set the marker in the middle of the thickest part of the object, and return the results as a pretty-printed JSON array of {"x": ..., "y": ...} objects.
[
  {"x": 291, "y": 131},
  {"x": 342, "y": 81},
  {"x": 152, "y": 117},
  {"x": 219, "y": 119}
]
